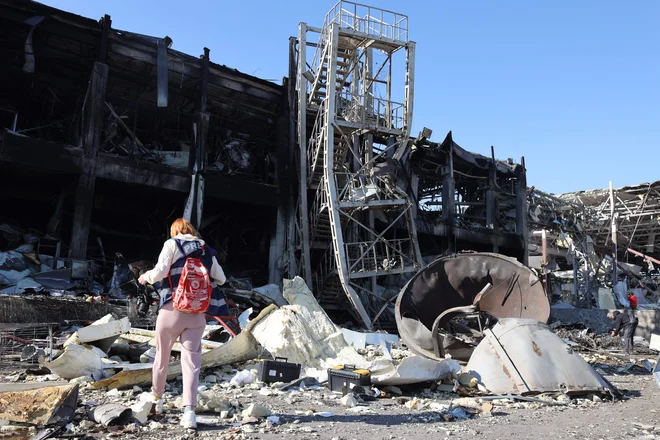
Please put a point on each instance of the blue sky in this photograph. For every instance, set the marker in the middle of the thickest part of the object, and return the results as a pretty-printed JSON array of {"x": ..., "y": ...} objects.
[{"x": 572, "y": 86}]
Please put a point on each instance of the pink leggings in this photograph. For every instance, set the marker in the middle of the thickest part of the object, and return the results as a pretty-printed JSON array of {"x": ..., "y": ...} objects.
[{"x": 189, "y": 329}]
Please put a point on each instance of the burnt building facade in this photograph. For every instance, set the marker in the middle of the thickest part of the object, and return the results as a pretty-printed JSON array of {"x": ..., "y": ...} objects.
[{"x": 108, "y": 136}]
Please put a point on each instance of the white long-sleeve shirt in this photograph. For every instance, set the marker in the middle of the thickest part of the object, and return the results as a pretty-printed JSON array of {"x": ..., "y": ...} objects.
[{"x": 171, "y": 253}]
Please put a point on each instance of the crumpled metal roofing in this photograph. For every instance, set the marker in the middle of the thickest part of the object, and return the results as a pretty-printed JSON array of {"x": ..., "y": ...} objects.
[{"x": 523, "y": 356}]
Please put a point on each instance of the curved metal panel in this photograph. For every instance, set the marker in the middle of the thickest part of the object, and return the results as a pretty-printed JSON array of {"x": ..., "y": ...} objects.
[
  {"x": 523, "y": 356},
  {"x": 496, "y": 284}
]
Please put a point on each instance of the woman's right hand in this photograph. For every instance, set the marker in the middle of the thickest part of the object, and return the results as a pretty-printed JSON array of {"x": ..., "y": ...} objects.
[{"x": 142, "y": 280}]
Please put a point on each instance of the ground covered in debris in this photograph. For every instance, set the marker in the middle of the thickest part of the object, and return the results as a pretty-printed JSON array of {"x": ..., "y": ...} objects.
[
  {"x": 419, "y": 412},
  {"x": 96, "y": 385}
]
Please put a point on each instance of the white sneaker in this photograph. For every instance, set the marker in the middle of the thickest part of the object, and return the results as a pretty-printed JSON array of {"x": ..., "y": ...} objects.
[{"x": 188, "y": 420}]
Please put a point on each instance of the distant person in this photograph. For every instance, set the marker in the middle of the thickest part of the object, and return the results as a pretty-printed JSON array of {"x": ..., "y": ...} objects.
[
  {"x": 624, "y": 325},
  {"x": 632, "y": 299},
  {"x": 172, "y": 323}
]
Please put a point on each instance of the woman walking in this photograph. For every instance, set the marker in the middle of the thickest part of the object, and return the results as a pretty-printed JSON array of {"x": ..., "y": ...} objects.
[{"x": 172, "y": 324}]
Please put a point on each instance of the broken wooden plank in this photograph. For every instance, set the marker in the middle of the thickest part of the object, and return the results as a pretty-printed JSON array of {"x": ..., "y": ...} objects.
[{"x": 44, "y": 406}]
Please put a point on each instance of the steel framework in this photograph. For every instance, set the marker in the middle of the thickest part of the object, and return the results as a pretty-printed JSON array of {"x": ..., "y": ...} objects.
[{"x": 354, "y": 220}]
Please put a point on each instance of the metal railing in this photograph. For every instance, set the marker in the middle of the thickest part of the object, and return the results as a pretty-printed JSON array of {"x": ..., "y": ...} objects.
[
  {"x": 380, "y": 255},
  {"x": 385, "y": 113},
  {"x": 358, "y": 187},
  {"x": 320, "y": 204},
  {"x": 315, "y": 142},
  {"x": 379, "y": 23}
]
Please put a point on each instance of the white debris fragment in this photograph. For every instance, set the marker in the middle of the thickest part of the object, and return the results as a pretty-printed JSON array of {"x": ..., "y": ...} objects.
[
  {"x": 255, "y": 410},
  {"x": 324, "y": 414},
  {"x": 81, "y": 380},
  {"x": 266, "y": 392},
  {"x": 359, "y": 409},
  {"x": 242, "y": 378},
  {"x": 244, "y": 318},
  {"x": 76, "y": 361},
  {"x": 349, "y": 401},
  {"x": 301, "y": 332},
  {"x": 155, "y": 425},
  {"x": 141, "y": 411}
]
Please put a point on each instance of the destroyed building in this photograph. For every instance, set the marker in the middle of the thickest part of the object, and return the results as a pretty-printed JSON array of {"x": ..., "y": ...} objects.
[
  {"x": 374, "y": 205},
  {"x": 109, "y": 135},
  {"x": 593, "y": 244}
]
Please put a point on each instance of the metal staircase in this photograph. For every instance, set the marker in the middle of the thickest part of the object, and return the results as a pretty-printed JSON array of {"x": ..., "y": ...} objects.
[{"x": 354, "y": 221}]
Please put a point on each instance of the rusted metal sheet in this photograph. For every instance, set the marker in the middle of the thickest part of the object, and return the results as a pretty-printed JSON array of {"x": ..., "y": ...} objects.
[
  {"x": 495, "y": 285},
  {"x": 522, "y": 356},
  {"x": 44, "y": 406}
]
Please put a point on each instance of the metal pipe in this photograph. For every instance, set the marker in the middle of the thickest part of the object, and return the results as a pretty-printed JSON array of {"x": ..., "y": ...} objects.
[{"x": 614, "y": 235}]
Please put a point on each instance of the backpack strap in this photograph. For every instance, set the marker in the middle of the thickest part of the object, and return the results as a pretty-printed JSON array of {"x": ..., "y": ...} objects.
[
  {"x": 178, "y": 244},
  {"x": 183, "y": 252}
]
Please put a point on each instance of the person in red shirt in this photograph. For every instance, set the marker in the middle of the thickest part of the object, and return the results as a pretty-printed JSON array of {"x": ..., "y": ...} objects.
[{"x": 632, "y": 299}]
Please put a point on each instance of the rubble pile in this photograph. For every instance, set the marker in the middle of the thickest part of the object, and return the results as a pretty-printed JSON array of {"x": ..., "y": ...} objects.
[
  {"x": 99, "y": 378},
  {"x": 578, "y": 261}
]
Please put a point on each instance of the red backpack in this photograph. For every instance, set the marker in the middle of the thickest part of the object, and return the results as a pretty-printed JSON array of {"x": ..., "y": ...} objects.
[{"x": 193, "y": 294}]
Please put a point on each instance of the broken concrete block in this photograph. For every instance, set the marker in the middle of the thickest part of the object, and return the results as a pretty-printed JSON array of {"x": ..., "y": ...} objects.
[
  {"x": 81, "y": 380},
  {"x": 255, "y": 410},
  {"x": 141, "y": 411},
  {"x": 43, "y": 406},
  {"x": 210, "y": 401},
  {"x": 76, "y": 361}
]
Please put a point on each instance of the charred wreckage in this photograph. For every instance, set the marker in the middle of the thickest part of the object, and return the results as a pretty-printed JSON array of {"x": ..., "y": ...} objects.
[{"x": 109, "y": 135}]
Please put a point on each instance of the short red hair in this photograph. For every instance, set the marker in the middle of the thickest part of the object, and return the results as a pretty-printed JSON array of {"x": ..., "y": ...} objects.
[{"x": 182, "y": 226}]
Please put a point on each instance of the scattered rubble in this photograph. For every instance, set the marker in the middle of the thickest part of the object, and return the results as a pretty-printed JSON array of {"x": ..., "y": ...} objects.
[{"x": 231, "y": 392}]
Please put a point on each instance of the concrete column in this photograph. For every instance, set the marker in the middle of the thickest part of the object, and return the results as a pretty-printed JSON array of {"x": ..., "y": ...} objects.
[{"x": 84, "y": 198}]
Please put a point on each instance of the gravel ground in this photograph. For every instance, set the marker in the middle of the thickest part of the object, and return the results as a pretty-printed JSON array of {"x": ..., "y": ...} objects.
[{"x": 636, "y": 417}]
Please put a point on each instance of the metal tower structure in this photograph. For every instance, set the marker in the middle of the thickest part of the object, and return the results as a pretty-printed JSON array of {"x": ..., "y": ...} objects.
[{"x": 354, "y": 218}]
